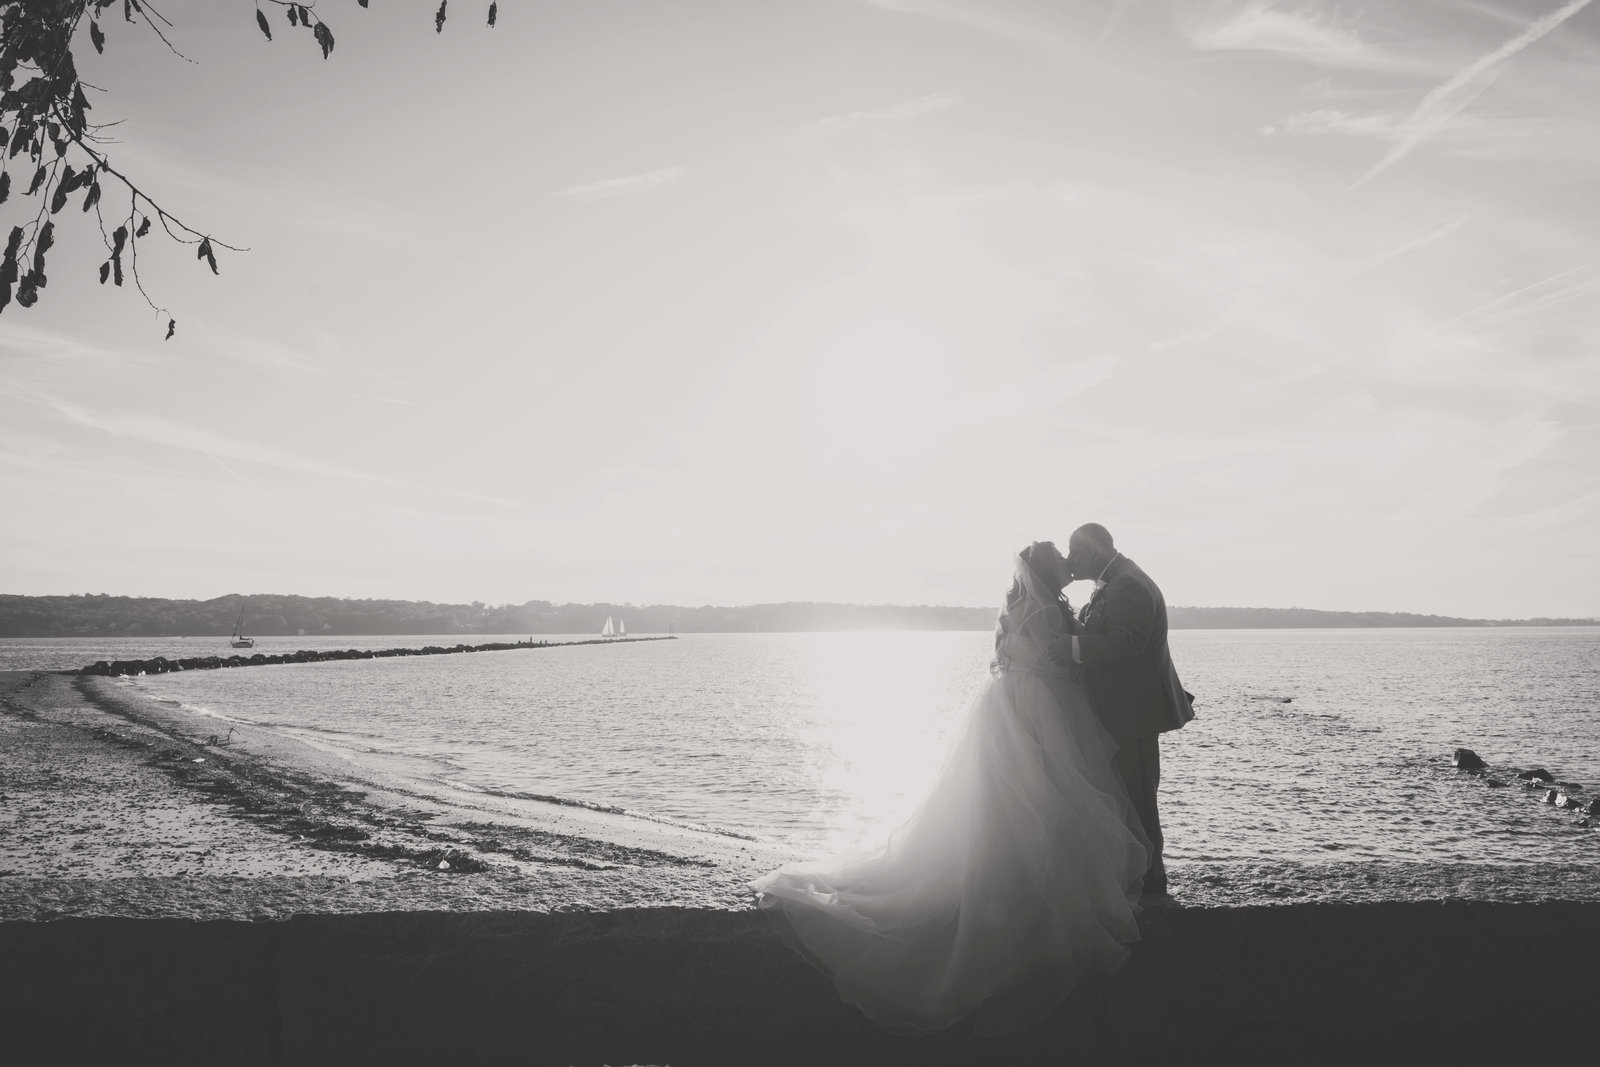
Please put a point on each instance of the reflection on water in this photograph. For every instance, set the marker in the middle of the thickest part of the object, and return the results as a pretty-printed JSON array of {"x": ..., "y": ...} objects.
[{"x": 822, "y": 739}]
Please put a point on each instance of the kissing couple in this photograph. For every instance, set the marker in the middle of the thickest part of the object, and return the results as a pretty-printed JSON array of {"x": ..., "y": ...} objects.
[{"x": 1023, "y": 868}]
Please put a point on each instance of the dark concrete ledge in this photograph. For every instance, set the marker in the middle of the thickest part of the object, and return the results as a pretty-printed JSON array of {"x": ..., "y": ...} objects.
[{"x": 1317, "y": 983}]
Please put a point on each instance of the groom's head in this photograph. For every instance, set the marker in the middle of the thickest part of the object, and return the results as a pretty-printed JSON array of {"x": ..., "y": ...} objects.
[{"x": 1089, "y": 550}]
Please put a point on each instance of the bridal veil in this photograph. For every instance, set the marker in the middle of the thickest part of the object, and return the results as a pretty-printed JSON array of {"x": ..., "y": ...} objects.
[{"x": 1016, "y": 875}]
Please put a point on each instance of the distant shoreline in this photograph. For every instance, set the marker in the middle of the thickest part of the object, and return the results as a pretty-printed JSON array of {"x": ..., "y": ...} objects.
[{"x": 271, "y": 615}]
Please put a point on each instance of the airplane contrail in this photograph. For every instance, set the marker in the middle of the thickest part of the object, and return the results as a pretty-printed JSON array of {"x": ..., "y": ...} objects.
[{"x": 1445, "y": 101}]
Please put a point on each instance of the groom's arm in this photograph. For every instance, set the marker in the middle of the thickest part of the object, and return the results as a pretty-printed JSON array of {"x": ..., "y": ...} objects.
[{"x": 1130, "y": 619}]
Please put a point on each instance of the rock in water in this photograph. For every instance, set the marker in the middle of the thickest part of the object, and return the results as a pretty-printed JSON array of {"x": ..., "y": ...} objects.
[
  {"x": 1468, "y": 760},
  {"x": 1567, "y": 800},
  {"x": 1538, "y": 774},
  {"x": 1550, "y": 796}
]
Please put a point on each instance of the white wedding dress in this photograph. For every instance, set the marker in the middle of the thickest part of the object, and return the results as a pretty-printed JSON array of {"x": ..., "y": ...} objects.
[{"x": 1017, "y": 875}]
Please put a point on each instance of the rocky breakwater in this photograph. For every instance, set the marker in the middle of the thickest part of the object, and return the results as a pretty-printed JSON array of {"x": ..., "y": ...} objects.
[
  {"x": 1567, "y": 796},
  {"x": 164, "y": 665}
]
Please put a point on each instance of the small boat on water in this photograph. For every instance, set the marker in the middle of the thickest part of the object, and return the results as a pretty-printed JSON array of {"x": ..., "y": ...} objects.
[
  {"x": 239, "y": 640},
  {"x": 608, "y": 630},
  {"x": 622, "y": 628}
]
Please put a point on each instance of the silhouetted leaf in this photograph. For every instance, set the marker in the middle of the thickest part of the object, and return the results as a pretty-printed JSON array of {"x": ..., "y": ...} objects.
[
  {"x": 494, "y": 9},
  {"x": 38, "y": 180},
  {"x": 105, "y": 271},
  {"x": 172, "y": 324},
  {"x": 47, "y": 237},
  {"x": 58, "y": 199},
  {"x": 8, "y": 267},
  {"x": 93, "y": 198},
  {"x": 363, "y": 3},
  {"x": 324, "y": 37},
  {"x": 116, "y": 270},
  {"x": 305, "y": 17},
  {"x": 144, "y": 227},
  {"x": 97, "y": 37},
  {"x": 261, "y": 20},
  {"x": 5, "y": 186},
  {"x": 205, "y": 254},
  {"x": 438, "y": 20},
  {"x": 27, "y": 292},
  {"x": 118, "y": 239},
  {"x": 294, "y": 16}
]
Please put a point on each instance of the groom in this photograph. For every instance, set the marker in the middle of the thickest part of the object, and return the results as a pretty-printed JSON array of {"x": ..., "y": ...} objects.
[{"x": 1128, "y": 672}]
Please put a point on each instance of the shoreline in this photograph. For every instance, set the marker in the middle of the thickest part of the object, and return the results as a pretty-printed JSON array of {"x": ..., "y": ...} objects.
[
  {"x": 228, "y": 910},
  {"x": 117, "y": 805},
  {"x": 114, "y": 804}
]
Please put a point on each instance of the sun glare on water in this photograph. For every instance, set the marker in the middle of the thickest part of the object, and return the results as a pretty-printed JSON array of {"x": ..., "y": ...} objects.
[{"x": 882, "y": 707}]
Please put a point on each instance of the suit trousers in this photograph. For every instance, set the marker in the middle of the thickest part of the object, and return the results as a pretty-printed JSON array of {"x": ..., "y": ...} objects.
[{"x": 1138, "y": 764}]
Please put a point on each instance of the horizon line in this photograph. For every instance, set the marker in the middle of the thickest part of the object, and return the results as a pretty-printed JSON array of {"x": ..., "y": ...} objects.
[{"x": 1595, "y": 618}]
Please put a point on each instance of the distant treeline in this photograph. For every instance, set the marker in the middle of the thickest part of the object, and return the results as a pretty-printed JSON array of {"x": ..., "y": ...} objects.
[
  {"x": 100, "y": 615},
  {"x": 1311, "y": 619}
]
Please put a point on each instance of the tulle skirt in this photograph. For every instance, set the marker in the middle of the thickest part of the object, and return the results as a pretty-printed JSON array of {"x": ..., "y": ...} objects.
[{"x": 1017, "y": 875}]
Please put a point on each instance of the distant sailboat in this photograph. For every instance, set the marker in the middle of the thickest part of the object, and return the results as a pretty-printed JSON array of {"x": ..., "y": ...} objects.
[
  {"x": 622, "y": 628},
  {"x": 608, "y": 631},
  {"x": 239, "y": 640}
]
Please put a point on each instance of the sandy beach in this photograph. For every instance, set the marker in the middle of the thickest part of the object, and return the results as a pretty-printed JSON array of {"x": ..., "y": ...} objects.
[
  {"x": 121, "y": 826},
  {"x": 113, "y": 808}
]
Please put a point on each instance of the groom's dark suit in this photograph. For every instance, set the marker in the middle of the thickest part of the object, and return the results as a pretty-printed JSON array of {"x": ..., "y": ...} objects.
[{"x": 1133, "y": 687}]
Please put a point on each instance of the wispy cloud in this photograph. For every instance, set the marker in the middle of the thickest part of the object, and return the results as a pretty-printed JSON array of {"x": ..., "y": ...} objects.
[
  {"x": 606, "y": 188},
  {"x": 975, "y": 16},
  {"x": 1444, "y": 102},
  {"x": 1497, "y": 136},
  {"x": 1036, "y": 393},
  {"x": 1304, "y": 32},
  {"x": 1532, "y": 298},
  {"x": 20, "y": 342},
  {"x": 931, "y": 104},
  {"x": 1335, "y": 120},
  {"x": 1410, "y": 244},
  {"x": 214, "y": 446}
]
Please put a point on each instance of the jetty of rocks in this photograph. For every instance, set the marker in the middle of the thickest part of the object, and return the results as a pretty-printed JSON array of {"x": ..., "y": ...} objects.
[{"x": 163, "y": 665}]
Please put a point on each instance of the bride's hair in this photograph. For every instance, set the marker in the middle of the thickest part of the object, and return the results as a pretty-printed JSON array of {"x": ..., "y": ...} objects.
[
  {"x": 1030, "y": 558},
  {"x": 1036, "y": 553}
]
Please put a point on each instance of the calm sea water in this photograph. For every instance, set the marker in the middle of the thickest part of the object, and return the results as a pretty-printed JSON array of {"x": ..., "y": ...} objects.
[{"x": 817, "y": 740}]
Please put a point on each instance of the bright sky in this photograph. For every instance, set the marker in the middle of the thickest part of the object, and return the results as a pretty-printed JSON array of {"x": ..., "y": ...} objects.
[{"x": 762, "y": 300}]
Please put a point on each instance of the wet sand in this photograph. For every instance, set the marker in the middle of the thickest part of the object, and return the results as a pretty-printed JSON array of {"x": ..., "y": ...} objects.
[
  {"x": 110, "y": 806},
  {"x": 165, "y": 889}
]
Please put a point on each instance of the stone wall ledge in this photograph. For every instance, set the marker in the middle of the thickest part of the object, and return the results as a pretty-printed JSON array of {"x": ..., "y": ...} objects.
[{"x": 1308, "y": 983}]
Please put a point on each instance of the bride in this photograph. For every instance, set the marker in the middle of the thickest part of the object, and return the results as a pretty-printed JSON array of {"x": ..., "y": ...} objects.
[{"x": 1015, "y": 876}]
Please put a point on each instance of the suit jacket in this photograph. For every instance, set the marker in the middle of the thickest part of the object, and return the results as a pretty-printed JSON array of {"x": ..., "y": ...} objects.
[{"x": 1128, "y": 671}]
